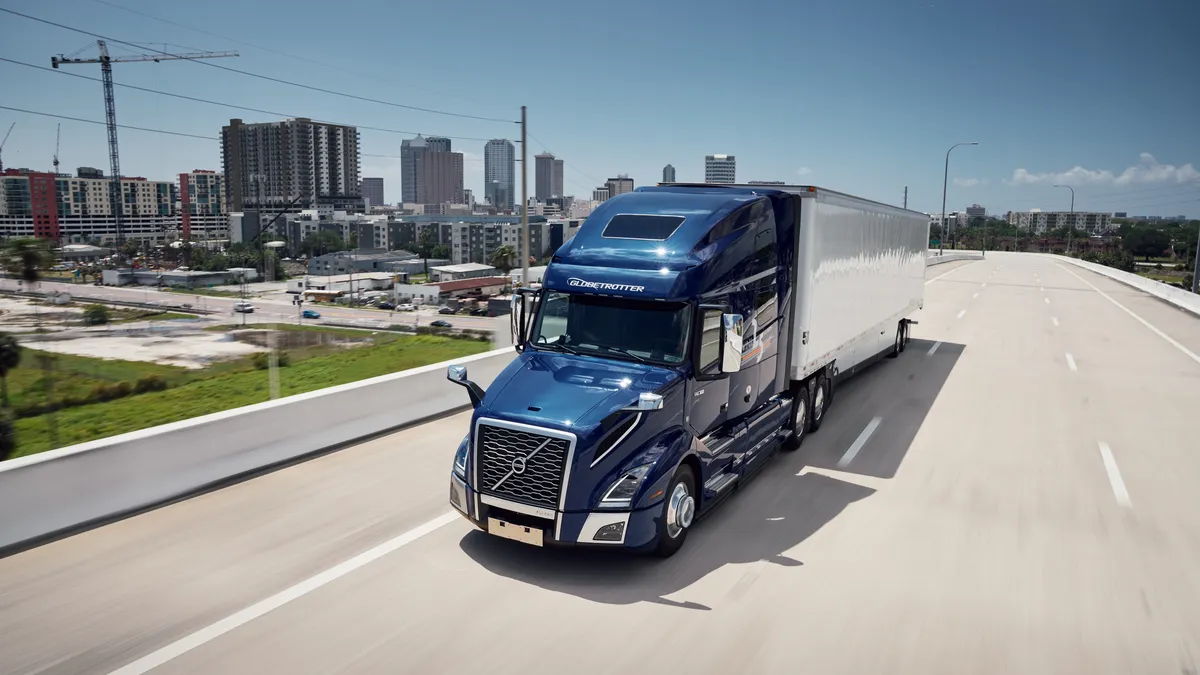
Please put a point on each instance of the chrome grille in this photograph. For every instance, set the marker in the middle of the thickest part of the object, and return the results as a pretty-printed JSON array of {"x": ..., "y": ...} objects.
[{"x": 540, "y": 483}]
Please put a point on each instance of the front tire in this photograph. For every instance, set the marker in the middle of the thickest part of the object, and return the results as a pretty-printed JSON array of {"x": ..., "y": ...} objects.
[{"x": 678, "y": 513}]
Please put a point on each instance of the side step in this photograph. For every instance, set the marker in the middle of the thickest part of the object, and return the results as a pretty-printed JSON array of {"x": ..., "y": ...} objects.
[{"x": 720, "y": 482}]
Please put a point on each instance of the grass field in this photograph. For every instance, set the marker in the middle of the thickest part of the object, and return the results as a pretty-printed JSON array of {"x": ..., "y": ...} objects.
[
  {"x": 225, "y": 386},
  {"x": 77, "y": 375}
]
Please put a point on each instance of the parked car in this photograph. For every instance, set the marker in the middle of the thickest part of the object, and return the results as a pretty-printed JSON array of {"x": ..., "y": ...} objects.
[
  {"x": 440, "y": 324},
  {"x": 244, "y": 308},
  {"x": 310, "y": 314},
  {"x": 406, "y": 308},
  {"x": 386, "y": 305},
  {"x": 447, "y": 310},
  {"x": 479, "y": 311}
]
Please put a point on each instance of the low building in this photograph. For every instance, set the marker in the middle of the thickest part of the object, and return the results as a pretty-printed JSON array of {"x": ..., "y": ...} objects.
[
  {"x": 1041, "y": 222},
  {"x": 347, "y": 283},
  {"x": 344, "y": 262},
  {"x": 83, "y": 252},
  {"x": 462, "y": 271},
  {"x": 535, "y": 274},
  {"x": 172, "y": 278},
  {"x": 437, "y": 293}
]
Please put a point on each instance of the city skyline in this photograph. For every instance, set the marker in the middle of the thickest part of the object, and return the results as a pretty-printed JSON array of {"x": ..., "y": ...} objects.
[{"x": 1114, "y": 158}]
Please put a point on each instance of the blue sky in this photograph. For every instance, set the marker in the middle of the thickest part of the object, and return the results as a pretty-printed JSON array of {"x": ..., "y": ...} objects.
[{"x": 859, "y": 96}]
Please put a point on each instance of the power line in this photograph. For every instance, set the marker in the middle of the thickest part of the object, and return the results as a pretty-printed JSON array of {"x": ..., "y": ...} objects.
[
  {"x": 263, "y": 77},
  {"x": 122, "y": 126},
  {"x": 545, "y": 149},
  {"x": 218, "y": 103}
]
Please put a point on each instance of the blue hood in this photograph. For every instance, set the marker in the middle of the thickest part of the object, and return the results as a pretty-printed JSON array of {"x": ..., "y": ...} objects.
[{"x": 569, "y": 392}]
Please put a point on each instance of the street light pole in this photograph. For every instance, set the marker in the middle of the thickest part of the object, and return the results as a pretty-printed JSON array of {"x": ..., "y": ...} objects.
[
  {"x": 1071, "y": 227},
  {"x": 945, "y": 178}
]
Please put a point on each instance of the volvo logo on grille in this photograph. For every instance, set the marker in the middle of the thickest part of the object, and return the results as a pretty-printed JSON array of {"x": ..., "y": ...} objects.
[{"x": 518, "y": 465}]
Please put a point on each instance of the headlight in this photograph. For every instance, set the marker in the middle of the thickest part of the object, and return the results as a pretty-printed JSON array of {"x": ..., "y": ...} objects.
[
  {"x": 623, "y": 490},
  {"x": 460, "y": 457}
]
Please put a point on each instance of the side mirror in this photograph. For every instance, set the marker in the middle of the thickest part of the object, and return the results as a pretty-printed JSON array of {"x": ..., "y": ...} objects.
[
  {"x": 516, "y": 320},
  {"x": 731, "y": 343},
  {"x": 458, "y": 375},
  {"x": 646, "y": 402}
]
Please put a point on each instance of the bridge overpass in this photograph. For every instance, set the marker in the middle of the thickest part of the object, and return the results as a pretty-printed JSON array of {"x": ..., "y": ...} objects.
[{"x": 1015, "y": 494}]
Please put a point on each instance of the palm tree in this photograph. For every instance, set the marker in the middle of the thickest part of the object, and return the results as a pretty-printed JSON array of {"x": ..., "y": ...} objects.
[
  {"x": 26, "y": 257},
  {"x": 502, "y": 258},
  {"x": 10, "y": 356}
]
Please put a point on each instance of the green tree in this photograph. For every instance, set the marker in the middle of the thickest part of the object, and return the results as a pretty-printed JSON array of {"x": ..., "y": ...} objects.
[
  {"x": 502, "y": 258},
  {"x": 440, "y": 251},
  {"x": 1146, "y": 242},
  {"x": 10, "y": 357},
  {"x": 95, "y": 315},
  {"x": 320, "y": 243},
  {"x": 25, "y": 258}
]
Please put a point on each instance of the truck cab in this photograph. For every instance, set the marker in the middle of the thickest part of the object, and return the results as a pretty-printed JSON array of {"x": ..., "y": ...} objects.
[{"x": 649, "y": 375}]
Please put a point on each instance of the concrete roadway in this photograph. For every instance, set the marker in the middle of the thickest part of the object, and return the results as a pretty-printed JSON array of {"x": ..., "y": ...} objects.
[{"x": 1025, "y": 504}]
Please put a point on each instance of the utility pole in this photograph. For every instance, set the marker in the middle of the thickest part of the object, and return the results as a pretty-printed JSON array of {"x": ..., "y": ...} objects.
[
  {"x": 524, "y": 206},
  {"x": 906, "y": 196},
  {"x": 110, "y": 111}
]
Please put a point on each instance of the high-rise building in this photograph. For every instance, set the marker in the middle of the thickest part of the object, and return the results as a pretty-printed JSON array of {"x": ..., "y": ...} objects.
[
  {"x": 976, "y": 210},
  {"x": 619, "y": 185},
  {"x": 372, "y": 191},
  {"x": 410, "y": 150},
  {"x": 268, "y": 165},
  {"x": 720, "y": 169},
  {"x": 558, "y": 190},
  {"x": 202, "y": 214},
  {"x": 543, "y": 172},
  {"x": 600, "y": 194},
  {"x": 437, "y": 144},
  {"x": 668, "y": 174},
  {"x": 499, "y": 173},
  {"x": 468, "y": 197},
  {"x": 439, "y": 178}
]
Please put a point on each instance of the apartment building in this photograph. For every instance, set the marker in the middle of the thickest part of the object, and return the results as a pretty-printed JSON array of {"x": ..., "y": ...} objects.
[
  {"x": 77, "y": 209},
  {"x": 1040, "y": 222}
]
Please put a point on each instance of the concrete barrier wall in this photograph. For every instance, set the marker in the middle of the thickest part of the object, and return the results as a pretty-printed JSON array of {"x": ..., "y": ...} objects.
[
  {"x": 1185, "y": 300},
  {"x": 935, "y": 259},
  {"x": 66, "y": 488}
]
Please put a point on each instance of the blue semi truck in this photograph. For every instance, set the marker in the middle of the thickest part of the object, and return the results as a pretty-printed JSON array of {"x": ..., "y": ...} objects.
[{"x": 680, "y": 339}]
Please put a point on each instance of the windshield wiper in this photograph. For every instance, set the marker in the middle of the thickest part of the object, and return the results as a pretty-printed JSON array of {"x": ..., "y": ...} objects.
[
  {"x": 558, "y": 346},
  {"x": 625, "y": 352}
]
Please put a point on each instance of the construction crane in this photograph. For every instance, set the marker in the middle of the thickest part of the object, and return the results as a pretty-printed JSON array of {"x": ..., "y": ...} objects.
[
  {"x": 57, "y": 138},
  {"x": 10, "y": 128},
  {"x": 110, "y": 108}
]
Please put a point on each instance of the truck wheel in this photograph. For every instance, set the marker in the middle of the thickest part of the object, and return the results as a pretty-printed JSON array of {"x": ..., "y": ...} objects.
[
  {"x": 799, "y": 422},
  {"x": 679, "y": 511},
  {"x": 820, "y": 402}
]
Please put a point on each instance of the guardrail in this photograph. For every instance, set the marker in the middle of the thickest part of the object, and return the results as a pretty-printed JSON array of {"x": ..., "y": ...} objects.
[
  {"x": 952, "y": 256},
  {"x": 63, "y": 490},
  {"x": 1185, "y": 300}
]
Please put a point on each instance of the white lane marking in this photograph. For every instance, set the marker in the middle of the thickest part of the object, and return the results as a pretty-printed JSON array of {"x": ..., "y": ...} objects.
[
  {"x": 1114, "y": 476},
  {"x": 1190, "y": 354},
  {"x": 1071, "y": 363},
  {"x": 984, "y": 285},
  {"x": 933, "y": 349},
  {"x": 1047, "y": 300},
  {"x": 1054, "y": 319},
  {"x": 209, "y": 633},
  {"x": 930, "y": 281},
  {"x": 1042, "y": 289},
  {"x": 859, "y": 442},
  {"x": 975, "y": 296},
  {"x": 960, "y": 314}
]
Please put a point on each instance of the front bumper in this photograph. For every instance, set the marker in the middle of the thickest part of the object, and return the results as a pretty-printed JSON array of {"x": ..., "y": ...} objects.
[{"x": 627, "y": 529}]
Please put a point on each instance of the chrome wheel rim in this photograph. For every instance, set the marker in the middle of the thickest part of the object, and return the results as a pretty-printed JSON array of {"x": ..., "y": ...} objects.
[
  {"x": 819, "y": 402},
  {"x": 801, "y": 416},
  {"x": 681, "y": 509}
]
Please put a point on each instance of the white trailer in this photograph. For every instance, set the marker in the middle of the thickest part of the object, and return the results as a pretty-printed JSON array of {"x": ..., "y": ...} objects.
[{"x": 860, "y": 273}]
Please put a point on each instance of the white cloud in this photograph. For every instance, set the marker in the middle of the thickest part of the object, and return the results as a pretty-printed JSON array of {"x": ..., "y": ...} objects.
[
  {"x": 803, "y": 171},
  {"x": 1147, "y": 170},
  {"x": 968, "y": 182}
]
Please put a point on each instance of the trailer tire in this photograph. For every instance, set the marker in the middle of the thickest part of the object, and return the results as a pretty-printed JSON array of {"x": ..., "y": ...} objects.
[
  {"x": 799, "y": 420},
  {"x": 820, "y": 402},
  {"x": 678, "y": 512}
]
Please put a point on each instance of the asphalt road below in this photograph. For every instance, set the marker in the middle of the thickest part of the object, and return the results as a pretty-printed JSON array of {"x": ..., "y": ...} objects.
[{"x": 1025, "y": 504}]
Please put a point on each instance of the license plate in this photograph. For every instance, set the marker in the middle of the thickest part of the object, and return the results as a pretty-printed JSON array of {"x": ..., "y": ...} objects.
[{"x": 525, "y": 535}]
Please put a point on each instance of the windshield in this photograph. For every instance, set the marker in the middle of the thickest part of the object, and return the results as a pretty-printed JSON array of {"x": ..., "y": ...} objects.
[{"x": 626, "y": 329}]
